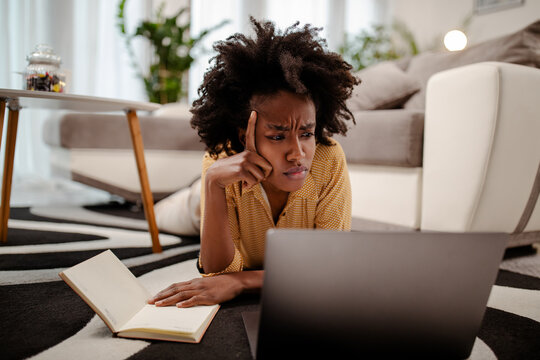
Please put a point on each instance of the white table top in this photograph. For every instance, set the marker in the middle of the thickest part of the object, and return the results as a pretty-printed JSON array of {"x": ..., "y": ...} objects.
[{"x": 57, "y": 101}]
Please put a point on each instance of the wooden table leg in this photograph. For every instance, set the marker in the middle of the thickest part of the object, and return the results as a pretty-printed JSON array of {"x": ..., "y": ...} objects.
[
  {"x": 148, "y": 201},
  {"x": 11, "y": 138},
  {"x": 2, "y": 113}
]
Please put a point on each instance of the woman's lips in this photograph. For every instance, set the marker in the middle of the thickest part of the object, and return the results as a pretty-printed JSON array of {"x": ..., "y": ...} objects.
[{"x": 297, "y": 172}]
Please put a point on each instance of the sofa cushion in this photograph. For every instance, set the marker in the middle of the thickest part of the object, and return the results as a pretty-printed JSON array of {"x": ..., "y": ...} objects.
[
  {"x": 521, "y": 47},
  {"x": 383, "y": 86},
  {"x": 106, "y": 131},
  {"x": 385, "y": 137}
]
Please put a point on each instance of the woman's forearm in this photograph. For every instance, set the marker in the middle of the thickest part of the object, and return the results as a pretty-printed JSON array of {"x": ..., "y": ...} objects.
[{"x": 217, "y": 247}]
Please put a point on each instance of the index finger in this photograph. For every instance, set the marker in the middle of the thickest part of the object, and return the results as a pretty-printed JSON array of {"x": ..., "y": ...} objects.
[
  {"x": 250, "y": 132},
  {"x": 167, "y": 292}
]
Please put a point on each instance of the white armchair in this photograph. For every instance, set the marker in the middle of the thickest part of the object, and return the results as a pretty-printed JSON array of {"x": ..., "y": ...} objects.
[
  {"x": 481, "y": 156},
  {"x": 482, "y": 151}
]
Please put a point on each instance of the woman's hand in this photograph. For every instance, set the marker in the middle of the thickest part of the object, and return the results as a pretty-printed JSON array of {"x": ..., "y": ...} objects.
[
  {"x": 208, "y": 290},
  {"x": 247, "y": 166}
]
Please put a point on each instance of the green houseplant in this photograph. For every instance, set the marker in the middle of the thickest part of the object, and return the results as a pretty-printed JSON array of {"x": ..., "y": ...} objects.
[
  {"x": 378, "y": 43},
  {"x": 172, "y": 46}
]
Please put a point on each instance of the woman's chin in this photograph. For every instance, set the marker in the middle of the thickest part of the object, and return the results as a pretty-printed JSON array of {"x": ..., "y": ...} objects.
[{"x": 288, "y": 184}]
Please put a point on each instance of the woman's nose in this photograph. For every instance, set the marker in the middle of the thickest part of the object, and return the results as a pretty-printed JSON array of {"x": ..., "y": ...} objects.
[{"x": 295, "y": 151}]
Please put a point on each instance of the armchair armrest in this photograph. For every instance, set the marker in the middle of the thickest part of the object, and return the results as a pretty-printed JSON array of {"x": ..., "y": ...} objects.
[{"x": 482, "y": 149}]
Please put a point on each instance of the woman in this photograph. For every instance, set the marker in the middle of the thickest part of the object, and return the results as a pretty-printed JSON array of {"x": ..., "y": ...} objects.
[{"x": 266, "y": 110}]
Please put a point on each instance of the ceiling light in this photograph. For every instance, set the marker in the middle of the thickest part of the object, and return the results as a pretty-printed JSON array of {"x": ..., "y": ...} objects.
[{"x": 455, "y": 40}]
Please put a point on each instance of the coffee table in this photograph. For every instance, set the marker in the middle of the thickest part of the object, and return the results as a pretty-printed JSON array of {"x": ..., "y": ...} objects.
[{"x": 15, "y": 100}]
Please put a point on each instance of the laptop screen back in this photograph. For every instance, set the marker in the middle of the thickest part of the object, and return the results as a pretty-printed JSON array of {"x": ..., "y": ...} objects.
[{"x": 345, "y": 293}]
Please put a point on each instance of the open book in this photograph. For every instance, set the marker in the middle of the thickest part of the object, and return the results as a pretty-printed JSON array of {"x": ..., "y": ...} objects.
[{"x": 116, "y": 295}]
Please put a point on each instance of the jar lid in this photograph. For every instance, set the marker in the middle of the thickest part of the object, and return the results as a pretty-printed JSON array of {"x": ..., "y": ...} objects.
[{"x": 43, "y": 54}]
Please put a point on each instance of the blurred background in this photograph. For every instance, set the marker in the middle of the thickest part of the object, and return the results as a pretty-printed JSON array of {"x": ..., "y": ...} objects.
[{"x": 158, "y": 50}]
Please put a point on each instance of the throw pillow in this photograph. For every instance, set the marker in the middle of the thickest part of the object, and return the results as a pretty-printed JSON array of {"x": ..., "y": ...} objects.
[{"x": 383, "y": 86}]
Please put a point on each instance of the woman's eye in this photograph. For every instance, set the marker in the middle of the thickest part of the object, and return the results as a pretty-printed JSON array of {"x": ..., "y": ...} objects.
[
  {"x": 307, "y": 134},
  {"x": 276, "y": 137}
]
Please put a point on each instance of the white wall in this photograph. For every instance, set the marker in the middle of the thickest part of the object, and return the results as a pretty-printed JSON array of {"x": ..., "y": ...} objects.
[
  {"x": 429, "y": 20},
  {"x": 171, "y": 7}
]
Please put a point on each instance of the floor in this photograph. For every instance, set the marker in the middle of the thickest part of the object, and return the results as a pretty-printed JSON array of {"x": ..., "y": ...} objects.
[{"x": 41, "y": 192}]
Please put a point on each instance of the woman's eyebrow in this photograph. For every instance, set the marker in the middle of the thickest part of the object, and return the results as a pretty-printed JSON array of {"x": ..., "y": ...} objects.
[
  {"x": 277, "y": 127},
  {"x": 307, "y": 126}
]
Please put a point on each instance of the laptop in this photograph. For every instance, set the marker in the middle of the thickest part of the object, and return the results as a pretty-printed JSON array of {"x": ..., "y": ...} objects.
[{"x": 373, "y": 294}]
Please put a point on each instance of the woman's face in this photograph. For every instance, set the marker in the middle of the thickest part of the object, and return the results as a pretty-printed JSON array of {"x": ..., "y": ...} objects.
[{"x": 285, "y": 137}]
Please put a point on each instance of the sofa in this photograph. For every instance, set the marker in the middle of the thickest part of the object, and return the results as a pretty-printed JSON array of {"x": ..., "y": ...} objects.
[{"x": 442, "y": 142}]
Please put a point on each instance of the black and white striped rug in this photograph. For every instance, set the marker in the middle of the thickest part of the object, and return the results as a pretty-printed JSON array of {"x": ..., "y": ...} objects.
[{"x": 42, "y": 318}]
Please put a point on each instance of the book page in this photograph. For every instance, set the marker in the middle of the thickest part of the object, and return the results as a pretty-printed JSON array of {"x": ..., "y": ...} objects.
[
  {"x": 171, "y": 319},
  {"x": 109, "y": 287}
]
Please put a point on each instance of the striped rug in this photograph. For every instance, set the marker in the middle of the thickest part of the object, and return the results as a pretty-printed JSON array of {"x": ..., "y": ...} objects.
[{"x": 42, "y": 318}]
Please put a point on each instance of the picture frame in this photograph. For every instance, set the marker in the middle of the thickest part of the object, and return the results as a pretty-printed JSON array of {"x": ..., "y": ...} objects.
[{"x": 487, "y": 6}]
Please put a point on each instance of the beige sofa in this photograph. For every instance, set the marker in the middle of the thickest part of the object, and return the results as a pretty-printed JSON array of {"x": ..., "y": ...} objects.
[
  {"x": 443, "y": 142},
  {"x": 96, "y": 150}
]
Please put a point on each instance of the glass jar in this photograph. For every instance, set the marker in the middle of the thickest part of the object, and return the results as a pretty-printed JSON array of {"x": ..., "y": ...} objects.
[{"x": 43, "y": 70}]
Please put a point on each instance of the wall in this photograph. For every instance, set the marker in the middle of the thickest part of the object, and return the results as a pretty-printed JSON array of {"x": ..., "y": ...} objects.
[
  {"x": 429, "y": 20},
  {"x": 170, "y": 7}
]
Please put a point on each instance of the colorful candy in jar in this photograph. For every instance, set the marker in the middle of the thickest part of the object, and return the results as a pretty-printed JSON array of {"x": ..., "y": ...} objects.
[{"x": 43, "y": 70}]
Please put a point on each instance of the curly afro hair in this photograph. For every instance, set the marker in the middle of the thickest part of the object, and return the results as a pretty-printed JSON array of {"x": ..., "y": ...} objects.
[{"x": 295, "y": 60}]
